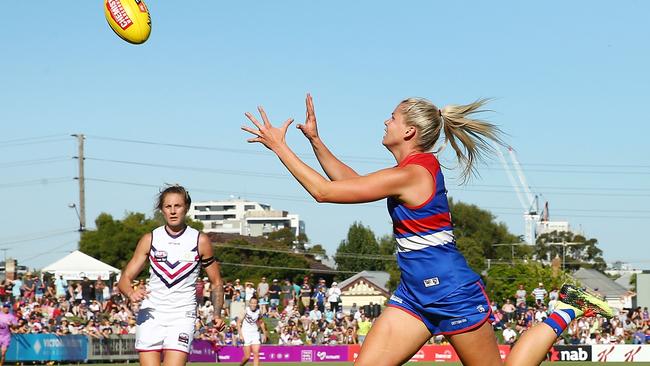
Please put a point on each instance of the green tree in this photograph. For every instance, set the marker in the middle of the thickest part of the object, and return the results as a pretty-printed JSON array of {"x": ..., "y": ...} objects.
[
  {"x": 580, "y": 252},
  {"x": 503, "y": 280},
  {"x": 349, "y": 254},
  {"x": 387, "y": 247},
  {"x": 249, "y": 264},
  {"x": 473, "y": 253},
  {"x": 284, "y": 236},
  {"x": 318, "y": 250},
  {"x": 476, "y": 233}
]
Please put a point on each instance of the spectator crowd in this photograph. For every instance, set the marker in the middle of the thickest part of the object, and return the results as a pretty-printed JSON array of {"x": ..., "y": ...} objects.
[
  {"x": 295, "y": 313},
  {"x": 529, "y": 308}
]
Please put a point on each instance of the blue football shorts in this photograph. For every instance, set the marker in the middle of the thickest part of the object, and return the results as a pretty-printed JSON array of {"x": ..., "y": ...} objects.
[{"x": 465, "y": 309}]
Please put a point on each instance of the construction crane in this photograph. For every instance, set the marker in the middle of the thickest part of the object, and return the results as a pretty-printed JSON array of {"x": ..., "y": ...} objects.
[{"x": 529, "y": 201}]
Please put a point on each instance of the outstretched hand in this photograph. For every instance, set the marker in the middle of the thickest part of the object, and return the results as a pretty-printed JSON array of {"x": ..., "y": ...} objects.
[
  {"x": 267, "y": 135},
  {"x": 309, "y": 128}
]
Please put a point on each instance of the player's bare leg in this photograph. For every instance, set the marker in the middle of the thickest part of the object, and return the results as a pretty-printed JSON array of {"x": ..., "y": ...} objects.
[
  {"x": 174, "y": 358},
  {"x": 247, "y": 355},
  {"x": 573, "y": 303},
  {"x": 477, "y": 347},
  {"x": 149, "y": 358},
  {"x": 532, "y": 347},
  {"x": 256, "y": 354},
  {"x": 393, "y": 339}
]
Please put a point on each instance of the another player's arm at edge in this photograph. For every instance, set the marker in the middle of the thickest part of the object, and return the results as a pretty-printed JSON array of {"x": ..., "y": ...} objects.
[
  {"x": 239, "y": 323},
  {"x": 133, "y": 269},
  {"x": 213, "y": 270},
  {"x": 262, "y": 325}
]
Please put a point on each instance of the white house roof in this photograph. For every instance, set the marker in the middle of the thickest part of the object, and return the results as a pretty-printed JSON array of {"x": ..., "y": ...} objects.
[
  {"x": 596, "y": 281},
  {"x": 378, "y": 278},
  {"x": 77, "y": 265}
]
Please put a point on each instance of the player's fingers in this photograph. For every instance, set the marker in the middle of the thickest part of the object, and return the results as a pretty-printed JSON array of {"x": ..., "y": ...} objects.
[
  {"x": 253, "y": 119},
  {"x": 310, "y": 105},
  {"x": 253, "y": 131},
  {"x": 265, "y": 118},
  {"x": 286, "y": 124},
  {"x": 257, "y": 139}
]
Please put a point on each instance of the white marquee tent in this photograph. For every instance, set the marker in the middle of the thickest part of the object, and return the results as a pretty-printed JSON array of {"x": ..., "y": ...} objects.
[{"x": 77, "y": 265}]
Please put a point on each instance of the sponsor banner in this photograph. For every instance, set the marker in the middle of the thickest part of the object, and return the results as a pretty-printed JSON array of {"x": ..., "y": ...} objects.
[
  {"x": 430, "y": 352},
  {"x": 437, "y": 353},
  {"x": 353, "y": 352},
  {"x": 47, "y": 347},
  {"x": 570, "y": 353},
  {"x": 620, "y": 353},
  {"x": 204, "y": 351},
  {"x": 504, "y": 351}
]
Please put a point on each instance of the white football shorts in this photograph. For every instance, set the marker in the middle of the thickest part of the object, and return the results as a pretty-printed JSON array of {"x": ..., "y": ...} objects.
[
  {"x": 251, "y": 338},
  {"x": 161, "y": 332}
]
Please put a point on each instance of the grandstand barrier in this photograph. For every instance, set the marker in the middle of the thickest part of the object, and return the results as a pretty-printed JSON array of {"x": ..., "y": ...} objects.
[
  {"x": 47, "y": 347},
  {"x": 204, "y": 351},
  {"x": 112, "y": 348}
]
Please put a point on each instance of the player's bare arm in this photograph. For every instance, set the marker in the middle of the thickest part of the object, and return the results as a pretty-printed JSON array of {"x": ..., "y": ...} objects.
[
  {"x": 405, "y": 183},
  {"x": 133, "y": 269},
  {"x": 213, "y": 270},
  {"x": 333, "y": 167}
]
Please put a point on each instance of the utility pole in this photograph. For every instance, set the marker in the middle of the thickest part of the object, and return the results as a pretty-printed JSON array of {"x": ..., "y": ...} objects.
[
  {"x": 512, "y": 249},
  {"x": 80, "y": 178},
  {"x": 564, "y": 244}
]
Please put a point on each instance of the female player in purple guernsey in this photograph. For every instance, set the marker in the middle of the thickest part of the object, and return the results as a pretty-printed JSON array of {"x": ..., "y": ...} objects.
[
  {"x": 7, "y": 321},
  {"x": 438, "y": 292}
]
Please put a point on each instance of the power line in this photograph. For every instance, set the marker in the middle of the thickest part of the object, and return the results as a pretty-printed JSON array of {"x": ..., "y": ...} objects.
[
  {"x": 28, "y": 139},
  {"x": 199, "y": 169},
  {"x": 288, "y": 177},
  {"x": 41, "y": 181},
  {"x": 194, "y": 189},
  {"x": 568, "y": 188},
  {"x": 230, "y": 150},
  {"x": 52, "y": 250},
  {"x": 338, "y": 254},
  {"x": 286, "y": 268},
  {"x": 33, "y": 142},
  {"x": 37, "y": 238},
  {"x": 305, "y": 200},
  {"x": 559, "y": 193},
  {"x": 490, "y": 165},
  {"x": 14, "y": 164},
  {"x": 570, "y": 209}
]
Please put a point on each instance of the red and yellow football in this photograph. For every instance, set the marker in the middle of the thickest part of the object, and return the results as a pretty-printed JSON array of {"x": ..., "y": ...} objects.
[{"x": 129, "y": 19}]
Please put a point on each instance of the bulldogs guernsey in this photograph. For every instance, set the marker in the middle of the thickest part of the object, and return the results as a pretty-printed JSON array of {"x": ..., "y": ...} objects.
[
  {"x": 174, "y": 270},
  {"x": 431, "y": 265}
]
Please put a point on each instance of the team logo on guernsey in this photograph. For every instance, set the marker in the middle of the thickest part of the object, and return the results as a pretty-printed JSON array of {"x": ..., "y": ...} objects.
[
  {"x": 480, "y": 309},
  {"x": 431, "y": 282},
  {"x": 160, "y": 255},
  {"x": 183, "y": 338},
  {"x": 172, "y": 273}
]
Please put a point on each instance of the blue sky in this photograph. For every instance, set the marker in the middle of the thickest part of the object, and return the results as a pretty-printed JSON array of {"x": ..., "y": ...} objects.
[{"x": 569, "y": 79}]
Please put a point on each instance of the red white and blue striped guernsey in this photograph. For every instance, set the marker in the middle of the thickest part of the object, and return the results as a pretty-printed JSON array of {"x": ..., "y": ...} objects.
[
  {"x": 174, "y": 270},
  {"x": 431, "y": 264}
]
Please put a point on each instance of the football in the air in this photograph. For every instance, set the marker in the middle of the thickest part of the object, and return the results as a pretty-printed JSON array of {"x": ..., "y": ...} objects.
[{"x": 129, "y": 19}]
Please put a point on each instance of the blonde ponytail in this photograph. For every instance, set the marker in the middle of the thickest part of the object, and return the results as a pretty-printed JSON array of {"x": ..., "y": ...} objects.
[{"x": 474, "y": 134}]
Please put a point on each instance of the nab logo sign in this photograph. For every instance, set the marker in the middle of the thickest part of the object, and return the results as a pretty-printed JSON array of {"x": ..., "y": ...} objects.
[{"x": 570, "y": 353}]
